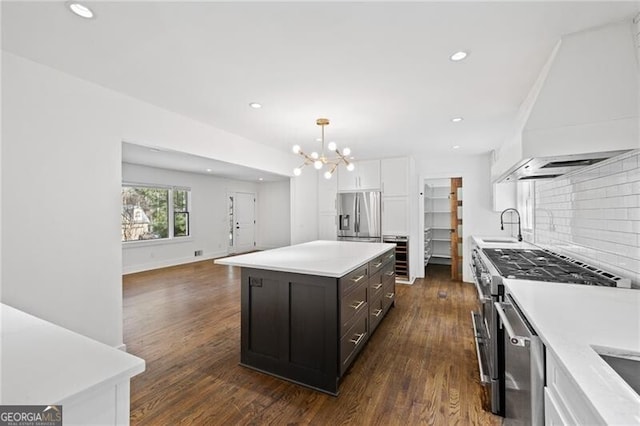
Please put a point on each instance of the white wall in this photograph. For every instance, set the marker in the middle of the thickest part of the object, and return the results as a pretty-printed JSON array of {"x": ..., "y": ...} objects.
[
  {"x": 208, "y": 218},
  {"x": 61, "y": 170},
  {"x": 594, "y": 215},
  {"x": 478, "y": 217},
  {"x": 274, "y": 214},
  {"x": 304, "y": 206}
]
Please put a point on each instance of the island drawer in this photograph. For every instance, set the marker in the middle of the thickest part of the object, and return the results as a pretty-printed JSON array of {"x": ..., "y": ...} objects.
[
  {"x": 353, "y": 341},
  {"x": 389, "y": 295},
  {"x": 388, "y": 273},
  {"x": 376, "y": 264},
  {"x": 389, "y": 257},
  {"x": 375, "y": 286},
  {"x": 351, "y": 305},
  {"x": 353, "y": 279},
  {"x": 376, "y": 313}
]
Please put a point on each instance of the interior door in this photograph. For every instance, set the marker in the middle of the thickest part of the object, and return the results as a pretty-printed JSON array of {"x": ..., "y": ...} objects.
[
  {"x": 455, "y": 200},
  {"x": 244, "y": 216}
]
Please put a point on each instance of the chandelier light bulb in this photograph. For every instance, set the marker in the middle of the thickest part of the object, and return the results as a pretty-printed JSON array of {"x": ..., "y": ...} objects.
[
  {"x": 297, "y": 171},
  {"x": 346, "y": 151},
  {"x": 296, "y": 149},
  {"x": 314, "y": 155},
  {"x": 317, "y": 164},
  {"x": 351, "y": 167},
  {"x": 327, "y": 174},
  {"x": 332, "y": 146}
]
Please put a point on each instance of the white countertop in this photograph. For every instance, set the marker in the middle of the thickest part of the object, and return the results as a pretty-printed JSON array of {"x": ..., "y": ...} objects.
[
  {"x": 570, "y": 319},
  {"x": 325, "y": 258},
  {"x": 42, "y": 363}
]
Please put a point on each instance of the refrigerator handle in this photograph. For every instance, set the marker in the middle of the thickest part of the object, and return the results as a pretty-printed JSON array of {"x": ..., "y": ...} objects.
[{"x": 356, "y": 225}]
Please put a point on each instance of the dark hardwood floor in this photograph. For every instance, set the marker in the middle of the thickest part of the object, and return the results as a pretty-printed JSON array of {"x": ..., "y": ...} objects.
[{"x": 419, "y": 367}]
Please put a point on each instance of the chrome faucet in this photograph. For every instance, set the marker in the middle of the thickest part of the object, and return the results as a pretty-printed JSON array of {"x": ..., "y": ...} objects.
[{"x": 502, "y": 222}]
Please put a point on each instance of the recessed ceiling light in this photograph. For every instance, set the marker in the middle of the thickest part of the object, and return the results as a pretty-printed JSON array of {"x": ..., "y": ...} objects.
[
  {"x": 457, "y": 119},
  {"x": 255, "y": 105},
  {"x": 209, "y": 170},
  {"x": 81, "y": 10},
  {"x": 456, "y": 146},
  {"x": 260, "y": 179},
  {"x": 458, "y": 56}
]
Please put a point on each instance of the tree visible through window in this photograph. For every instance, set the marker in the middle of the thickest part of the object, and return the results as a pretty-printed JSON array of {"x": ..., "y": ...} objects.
[{"x": 146, "y": 212}]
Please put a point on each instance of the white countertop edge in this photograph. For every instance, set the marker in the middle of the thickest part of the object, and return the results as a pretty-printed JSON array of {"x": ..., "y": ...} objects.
[
  {"x": 244, "y": 260},
  {"x": 33, "y": 379},
  {"x": 618, "y": 403}
]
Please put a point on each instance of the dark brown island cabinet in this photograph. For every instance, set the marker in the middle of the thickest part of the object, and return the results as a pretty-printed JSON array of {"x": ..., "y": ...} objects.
[{"x": 308, "y": 329}]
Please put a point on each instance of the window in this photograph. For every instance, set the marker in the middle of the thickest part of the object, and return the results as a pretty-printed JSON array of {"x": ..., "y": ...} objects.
[{"x": 153, "y": 213}]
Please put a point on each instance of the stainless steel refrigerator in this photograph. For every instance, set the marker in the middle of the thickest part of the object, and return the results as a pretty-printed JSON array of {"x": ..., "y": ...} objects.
[{"x": 359, "y": 216}]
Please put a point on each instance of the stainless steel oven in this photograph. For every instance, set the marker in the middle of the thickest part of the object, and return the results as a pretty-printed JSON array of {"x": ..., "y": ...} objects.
[{"x": 487, "y": 333}]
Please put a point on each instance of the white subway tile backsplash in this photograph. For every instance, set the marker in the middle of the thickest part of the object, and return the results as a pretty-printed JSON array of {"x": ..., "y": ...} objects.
[{"x": 594, "y": 215}]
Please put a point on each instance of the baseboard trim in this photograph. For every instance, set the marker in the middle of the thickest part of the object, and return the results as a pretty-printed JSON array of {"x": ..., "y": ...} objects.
[{"x": 132, "y": 269}]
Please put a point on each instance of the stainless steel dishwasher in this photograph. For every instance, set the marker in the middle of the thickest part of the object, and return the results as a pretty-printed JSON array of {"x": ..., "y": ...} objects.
[{"x": 524, "y": 367}]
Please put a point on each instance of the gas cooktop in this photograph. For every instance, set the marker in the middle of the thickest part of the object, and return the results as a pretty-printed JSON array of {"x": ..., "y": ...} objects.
[{"x": 542, "y": 265}]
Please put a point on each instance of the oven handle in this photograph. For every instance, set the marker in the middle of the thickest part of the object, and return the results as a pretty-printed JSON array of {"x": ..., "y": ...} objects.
[
  {"x": 484, "y": 378},
  {"x": 513, "y": 338},
  {"x": 481, "y": 296}
]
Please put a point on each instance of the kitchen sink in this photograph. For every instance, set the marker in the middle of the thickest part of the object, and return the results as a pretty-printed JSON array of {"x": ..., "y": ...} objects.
[
  {"x": 626, "y": 365},
  {"x": 500, "y": 240}
]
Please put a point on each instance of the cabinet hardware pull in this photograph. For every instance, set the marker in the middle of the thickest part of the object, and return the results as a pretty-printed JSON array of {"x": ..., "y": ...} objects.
[
  {"x": 390, "y": 256},
  {"x": 377, "y": 286},
  {"x": 390, "y": 273},
  {"x": 355, "y": 280},
  {"x": 357, "y": 305},
  {"x": 377, "y": 265},
  {"x": 390, "y": 295},
  {"x": 357, "y": 340},
  {"x": 377, "y": 312}
]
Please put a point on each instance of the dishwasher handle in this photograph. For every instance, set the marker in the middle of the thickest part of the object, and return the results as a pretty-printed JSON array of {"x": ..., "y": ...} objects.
[{"x": 513, "y": 337}]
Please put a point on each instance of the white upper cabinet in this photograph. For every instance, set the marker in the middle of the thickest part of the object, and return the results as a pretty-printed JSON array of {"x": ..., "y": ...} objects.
[
  {"x": 365, "y": 177},
  {"x": 395, "y": 176},
  {"x": 395, "y": 216}
]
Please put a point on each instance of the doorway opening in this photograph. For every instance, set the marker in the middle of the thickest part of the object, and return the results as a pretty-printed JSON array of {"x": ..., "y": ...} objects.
[
  {"x": 242, "y": 222},
  {"x": 443, "y": 243}
]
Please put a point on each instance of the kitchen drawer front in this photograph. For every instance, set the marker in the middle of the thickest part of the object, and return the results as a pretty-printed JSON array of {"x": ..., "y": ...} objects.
[
  {"x": 354, "y": 278},
  {"x": 375, "y": 286},
  {"x": 389, "y": 273},
  {"x": 388, "y": 295},
  {"x": 351, "y": 305},
  {"x": 389, "y": 257},
  {"x": 376, "y": 264},
  {"x": 376, "y": 313},
  {"x": 354, "y": 339},
  {"x": 567, "y": 394},
  {"x": 555, "y": 413}
]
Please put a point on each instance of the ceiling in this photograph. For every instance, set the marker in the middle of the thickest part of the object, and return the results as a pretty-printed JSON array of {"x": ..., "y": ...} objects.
[
  {"x": 379, "y": 70},
  {"x": 180, "y": 161}
]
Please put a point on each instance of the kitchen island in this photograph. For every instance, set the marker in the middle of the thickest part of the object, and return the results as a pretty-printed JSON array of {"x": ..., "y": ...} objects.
[{"x": 307, "y": 310}]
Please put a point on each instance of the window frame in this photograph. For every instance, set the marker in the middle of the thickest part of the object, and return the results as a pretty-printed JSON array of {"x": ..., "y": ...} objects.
[{"x": 172, "y": 238}]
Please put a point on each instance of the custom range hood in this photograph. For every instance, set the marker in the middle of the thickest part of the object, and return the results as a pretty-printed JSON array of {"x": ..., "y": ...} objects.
[{"x": 583, "y": 109}]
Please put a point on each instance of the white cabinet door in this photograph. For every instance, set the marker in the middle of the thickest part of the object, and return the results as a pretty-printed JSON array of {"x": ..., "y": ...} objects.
[
  {"x": 394, "y": 173},
  {"x": 395, "y": 216},
  {"x": 369, "y": 175},
  {"x": 365, "y": 177},
  {"x": 347, "y": 181}
]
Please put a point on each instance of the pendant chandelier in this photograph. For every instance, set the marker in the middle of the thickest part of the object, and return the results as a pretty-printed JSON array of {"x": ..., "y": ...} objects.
[{"x": 320, "y": 160}]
